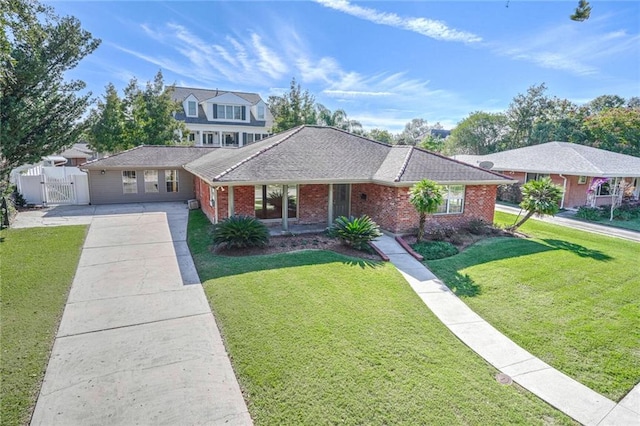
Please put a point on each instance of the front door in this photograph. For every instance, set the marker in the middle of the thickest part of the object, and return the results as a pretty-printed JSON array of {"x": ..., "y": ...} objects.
[{"x": 341, "y": 197}]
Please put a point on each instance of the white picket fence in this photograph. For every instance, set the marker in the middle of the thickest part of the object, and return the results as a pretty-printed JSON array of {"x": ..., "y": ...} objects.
[{"x": 55, "y": 186}]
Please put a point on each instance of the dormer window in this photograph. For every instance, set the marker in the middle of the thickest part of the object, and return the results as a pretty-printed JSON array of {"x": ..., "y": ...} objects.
[
  {"x": 191, "y": 108},
  {"x": 260, "y": 112},
  {"x": 229, "y": 112}
]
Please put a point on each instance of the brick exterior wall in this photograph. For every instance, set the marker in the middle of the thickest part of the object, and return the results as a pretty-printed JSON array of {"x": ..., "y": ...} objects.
[
  {"x": 244, "y": 200},
  {"x": 388, "y": 206},
  {"x": 313, "y": 204}
]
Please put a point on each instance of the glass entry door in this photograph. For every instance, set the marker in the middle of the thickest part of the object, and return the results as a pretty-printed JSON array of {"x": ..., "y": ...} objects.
[{"x": 341, "y": 198}]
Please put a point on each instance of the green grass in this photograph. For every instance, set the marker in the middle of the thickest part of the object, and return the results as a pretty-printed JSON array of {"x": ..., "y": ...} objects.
[
  {"x": 569, "y": 297},
  {"x": 37, "y": 268},
  {"x": 633, "y": 224},
  {"x": 319, "y": 338}
]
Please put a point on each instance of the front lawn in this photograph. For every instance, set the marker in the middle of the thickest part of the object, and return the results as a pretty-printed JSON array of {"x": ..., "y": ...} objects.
[
  {"x": 37, "y": 268},
  {"x": 316, "y": 337},
  {"x": 569, "y": 297}
]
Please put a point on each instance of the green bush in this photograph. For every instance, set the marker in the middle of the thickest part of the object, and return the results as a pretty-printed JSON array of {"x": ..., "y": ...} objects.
[
  {"x": 432, "y": 250},
  {"x": 355, "y": 232},
  {"x": 588, "y": 213},
  {"x": 241, "y": 231}
]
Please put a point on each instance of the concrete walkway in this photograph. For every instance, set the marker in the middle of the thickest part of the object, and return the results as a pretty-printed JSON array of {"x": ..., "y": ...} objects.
[
  {"x": 610, "y": 231},
  {"x": 559, "y": 390},
  {"x": 137, "y": 343}
]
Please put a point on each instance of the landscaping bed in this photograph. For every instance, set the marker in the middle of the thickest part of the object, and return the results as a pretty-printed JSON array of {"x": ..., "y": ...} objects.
[{"x": 288, "y": 243}]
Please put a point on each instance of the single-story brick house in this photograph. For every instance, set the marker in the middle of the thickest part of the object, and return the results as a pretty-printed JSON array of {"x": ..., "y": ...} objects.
[
  {"x": 325, "y": 173},
  {"x": 586, "y": 174}
]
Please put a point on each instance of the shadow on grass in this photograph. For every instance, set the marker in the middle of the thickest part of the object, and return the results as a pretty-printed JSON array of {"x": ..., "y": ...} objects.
[
  {"x": 463, "y": 285},
  {"x": 579, "y": 250},
  {"x": 212, "y": 266}
]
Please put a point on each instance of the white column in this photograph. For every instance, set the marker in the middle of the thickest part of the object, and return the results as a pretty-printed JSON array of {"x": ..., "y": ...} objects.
[
  {"x": 201, "y": 137},
  {"x": 285, "y": 208}
]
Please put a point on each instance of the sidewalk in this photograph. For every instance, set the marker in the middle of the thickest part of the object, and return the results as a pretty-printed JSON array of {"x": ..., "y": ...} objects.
[
  {"x": 137, "y": 344},
  {"x": 610, "y": 231},
  {"x": 559, "y": 390}
]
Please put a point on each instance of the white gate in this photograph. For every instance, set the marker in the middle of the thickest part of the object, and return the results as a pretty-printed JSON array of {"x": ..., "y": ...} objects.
[
  {"x": 59, "y": 191},
  {"x": 55, "y": 185}
]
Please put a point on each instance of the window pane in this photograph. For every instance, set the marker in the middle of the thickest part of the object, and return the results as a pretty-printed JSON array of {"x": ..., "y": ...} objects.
[
  {"x": 129, "y": 182},
  {"x": 220, "y": 111},
  {"x": 171, "y": 180},
  {"x": 455, "y": 206},
  {"x": 192, "y": 108},
  {"x": 260, "y": 112},
  {"x": 150, "y": 181},
  {"x": 292, "y": 211},
  {"x": 237, "y": 113},
  {"x": 229, "y": 112},
  {"x": 249, "y": 138}
]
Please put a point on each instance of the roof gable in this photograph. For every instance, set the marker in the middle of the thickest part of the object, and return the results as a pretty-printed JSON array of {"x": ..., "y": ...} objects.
[{"x": 228, "y": 98}]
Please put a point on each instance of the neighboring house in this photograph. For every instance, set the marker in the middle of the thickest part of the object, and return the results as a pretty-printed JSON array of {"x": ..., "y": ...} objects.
[
  {"x": 325, "y": 173},
  {"x": 221, "y": 118},
  {"x": 78, "y": 154},
  {"x": 576, "y": 168}
]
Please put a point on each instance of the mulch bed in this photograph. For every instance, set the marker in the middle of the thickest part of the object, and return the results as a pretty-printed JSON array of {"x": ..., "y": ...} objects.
[{"x": 288, "y": 243}]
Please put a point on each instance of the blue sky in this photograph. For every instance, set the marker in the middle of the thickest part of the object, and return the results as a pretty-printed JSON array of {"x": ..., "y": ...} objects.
[{"x": 383, "y": 62}]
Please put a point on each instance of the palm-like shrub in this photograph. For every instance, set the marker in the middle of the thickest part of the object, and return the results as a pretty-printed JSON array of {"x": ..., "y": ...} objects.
[
  {"x": 241, "y": 231},
  {"x": 425, "y": 196},
  {"x": 539, "y": 197},
  {"x": 355, "y": 232}
]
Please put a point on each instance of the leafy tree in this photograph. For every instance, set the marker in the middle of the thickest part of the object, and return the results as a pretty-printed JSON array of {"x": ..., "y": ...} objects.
[
  {"x": 292, "y": 109},
  {"x": 39, "y": 110},
  {"x": 338, "y": 119},
  {"x": 615, "y": 129},
  {"x": 380, "y": 135},
  {"x": 142, "y": 117},
  {"x": 524, "y": 112},
  {"x": 414, "y": 131},
  {"x": 582, "y": 12},
  {"x": 633, "y": 102},
  {"x": 605, "y": 102},
  {"x": 479, "y": 134},
  {"x": 539, "y": 197},
  {"x": 432, "y": 143},
  {"x": 426, "y": 196},
  {"x": 107, "y": 123},
  {"x": 562, "y": 121}
]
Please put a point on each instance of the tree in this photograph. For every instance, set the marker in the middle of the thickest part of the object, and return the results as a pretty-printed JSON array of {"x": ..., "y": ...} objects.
[
  {"x": 605, "y": 102},
  {"x": 380, "y": 135},
  {"x": 40, "y": 112},
  {"x": 432, "y": 143},
  {"x": 524, "y": 112},
  {"x": 582, "y": 12},
  {"x": 426, "y": 196},
  {"x": 292, "y": 109},
  {"x": 414, "y": 131},
  {"x": 338, "y": 119},
  {"x": 479, "y": 134},
  {"x": 615, "y": 129},
  {"x": 142, "y": 117},
  {"x": 562, "y": 121},
  {"x": 539, "y": 197},
  {"x": 106, "y": 132}
]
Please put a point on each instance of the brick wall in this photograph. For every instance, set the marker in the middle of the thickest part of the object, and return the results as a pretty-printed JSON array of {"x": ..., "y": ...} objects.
[
  {"x": 313, "y": 204},
  {"x": 244, "y": 200}
]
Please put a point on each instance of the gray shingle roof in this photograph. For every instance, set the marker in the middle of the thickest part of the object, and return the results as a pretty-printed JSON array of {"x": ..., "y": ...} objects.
[
  {"x": 150, "y": 156},
  {"x": 561, "y": 157},
  {"x": 181, "y": 93},
  {"x": 324, "y": 154}
]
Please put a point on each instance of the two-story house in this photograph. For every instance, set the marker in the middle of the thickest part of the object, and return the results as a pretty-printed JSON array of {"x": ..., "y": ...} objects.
[{"x": 222, "y": 118}]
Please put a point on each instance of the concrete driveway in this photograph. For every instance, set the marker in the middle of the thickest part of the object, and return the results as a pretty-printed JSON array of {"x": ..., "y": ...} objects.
[{"x": 137, "y": 343}]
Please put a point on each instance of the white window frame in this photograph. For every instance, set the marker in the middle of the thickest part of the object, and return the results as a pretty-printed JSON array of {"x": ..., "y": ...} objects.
[
  {"x": 195, "y": 109},
  {"x": 175, "y": 187},
  {"x": 446, "y": 206},
  {"x": 154, "y": 183},
  {"x": 260, "y": 112},
  {"x": 610, "y": 184},
  {"x": 127, "y": 183}
]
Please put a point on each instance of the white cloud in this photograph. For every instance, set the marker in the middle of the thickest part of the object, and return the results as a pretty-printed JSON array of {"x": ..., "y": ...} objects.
[{"x": 428, "y": 27}]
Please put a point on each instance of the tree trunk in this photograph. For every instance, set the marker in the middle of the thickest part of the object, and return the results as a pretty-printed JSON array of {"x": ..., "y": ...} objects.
[
  {"x": 523, "y": 220},
  {"x": 423, "y": 218}
]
